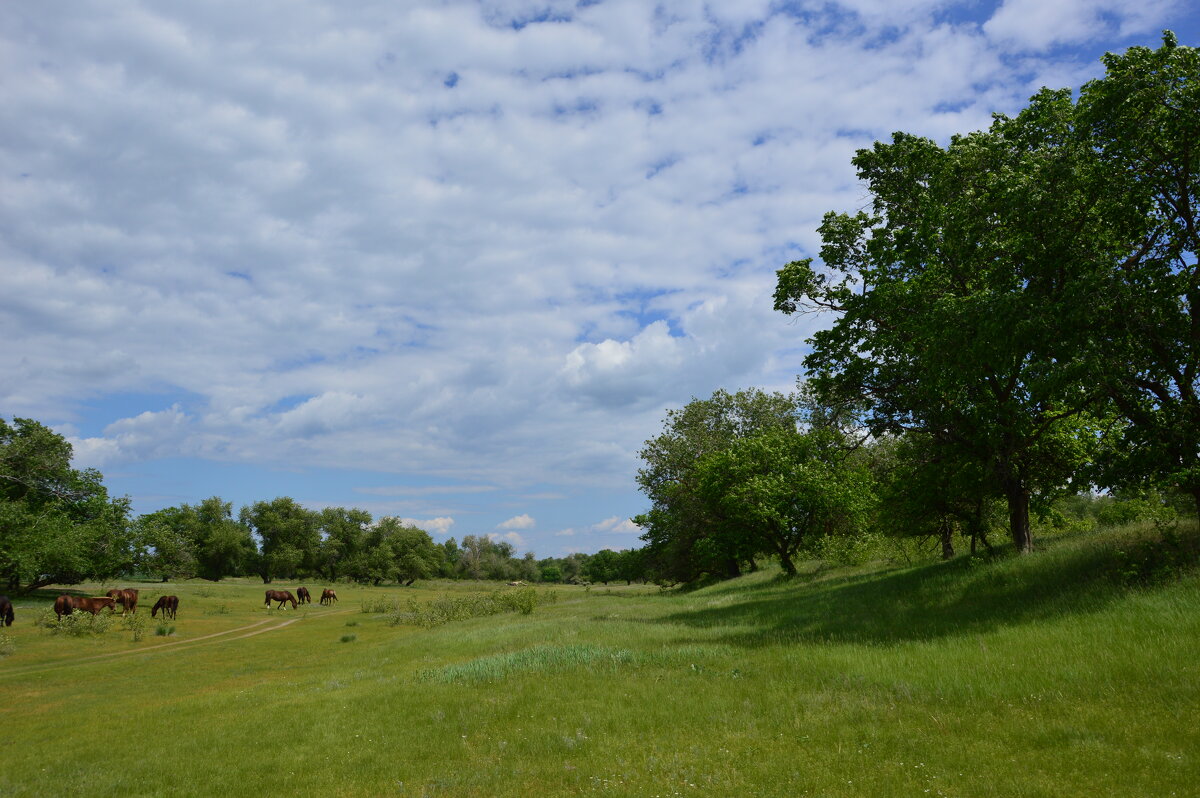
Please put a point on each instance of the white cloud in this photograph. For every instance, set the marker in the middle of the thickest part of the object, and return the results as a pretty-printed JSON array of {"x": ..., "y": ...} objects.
[
  {"x": 523, "y": 521},
  {"x": 617, "y": 525},
  {"x": 515, "y": 538},
  {"x": 434, "y": 526},
  {"x": 1037, "y": 25}
]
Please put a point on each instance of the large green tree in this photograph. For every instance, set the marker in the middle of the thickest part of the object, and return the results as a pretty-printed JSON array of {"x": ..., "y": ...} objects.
[
  {"x": 58, "y": 525},
  {"x": 289, "y": 536},
  {"x": 965, "y": 297},
  {"x": 1142, "y": 119},
  {"x": 686, "y": 535}
]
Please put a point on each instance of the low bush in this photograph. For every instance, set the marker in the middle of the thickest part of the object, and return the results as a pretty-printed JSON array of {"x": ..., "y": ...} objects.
[
  {"x": 8, "y": 646},
  {"x": 75, "y": 624},
  {"x": 349, "y": 638},
  {"x": 163, "y": 630}
]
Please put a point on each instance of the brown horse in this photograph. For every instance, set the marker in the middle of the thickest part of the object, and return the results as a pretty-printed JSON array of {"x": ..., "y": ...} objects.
[
  {"x": 6, "y": 611},
  {"x": 92, "y": 604},
  {"x": 328, "y": 596},
  {"x": 282, "y": 596},
  {"x": 168, "y": 604},
  {"x": 64, "y": 605},
  {"x": 127, "y": 598},
  {"x": 303, "y": 596}
]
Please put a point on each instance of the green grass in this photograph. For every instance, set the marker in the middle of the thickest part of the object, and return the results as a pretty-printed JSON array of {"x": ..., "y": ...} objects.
[{"x": 1075, "y": 671}]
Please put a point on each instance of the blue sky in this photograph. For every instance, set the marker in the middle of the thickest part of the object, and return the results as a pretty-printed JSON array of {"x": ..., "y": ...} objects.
[{"x": 452, "y": 261}]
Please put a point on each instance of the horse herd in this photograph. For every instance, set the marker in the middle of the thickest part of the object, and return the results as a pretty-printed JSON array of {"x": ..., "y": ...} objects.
[
  {"x": 127, "y": 600},
  {"x": 302, "y": 596}
]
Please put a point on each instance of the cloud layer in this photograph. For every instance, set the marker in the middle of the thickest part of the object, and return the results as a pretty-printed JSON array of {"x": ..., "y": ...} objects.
[{"x": 479, "y": 242}]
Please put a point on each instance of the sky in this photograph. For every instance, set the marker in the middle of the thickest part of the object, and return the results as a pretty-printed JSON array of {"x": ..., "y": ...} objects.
[{"x": 453, "y": 261}]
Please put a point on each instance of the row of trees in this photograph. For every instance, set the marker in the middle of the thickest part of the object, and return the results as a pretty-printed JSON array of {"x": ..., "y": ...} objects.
[
  {"x": 1016, "y": 321},
  {"x": 58, "y": 525}
]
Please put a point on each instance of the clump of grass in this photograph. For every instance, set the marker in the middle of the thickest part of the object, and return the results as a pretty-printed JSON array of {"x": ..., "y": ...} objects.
[
  {"x": 8, "y": 646},
  {"x": 478, "y": 605},
  {"x": 349, "y": 638},
  {"x": 540, "y": 659},
  {"x": 220, "y": 609},
  {"x": 205, "y": 592},
  {"x": 163, "y": 630},
  {"x": 352, "y": 623},
  {"x": 380, "y": 604}
]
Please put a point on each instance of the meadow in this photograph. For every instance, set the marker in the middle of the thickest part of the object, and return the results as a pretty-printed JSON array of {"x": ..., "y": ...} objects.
[{"x": 1074, "y": 671}]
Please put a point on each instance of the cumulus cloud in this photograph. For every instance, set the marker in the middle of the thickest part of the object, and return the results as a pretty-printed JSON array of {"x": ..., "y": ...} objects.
[
  {"x": 434, "y": 526},
  {"x": 523, "y": 521},
  {"x": 515, "y": 538},
  {"x": 617, "y": 525}
]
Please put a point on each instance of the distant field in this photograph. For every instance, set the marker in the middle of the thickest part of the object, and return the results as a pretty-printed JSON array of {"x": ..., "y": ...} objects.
[{"x": 1060, "y": 674}]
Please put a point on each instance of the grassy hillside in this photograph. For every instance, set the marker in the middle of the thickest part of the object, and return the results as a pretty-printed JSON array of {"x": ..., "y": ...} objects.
[{"x": 1075, "y": 671}]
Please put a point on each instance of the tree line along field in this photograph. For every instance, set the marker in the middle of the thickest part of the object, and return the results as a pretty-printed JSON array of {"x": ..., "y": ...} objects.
[{"x": 1070, "y": 673}]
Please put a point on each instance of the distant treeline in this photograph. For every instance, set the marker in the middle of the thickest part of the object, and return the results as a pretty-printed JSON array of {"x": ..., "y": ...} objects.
[{"x": 58, "y": 525}]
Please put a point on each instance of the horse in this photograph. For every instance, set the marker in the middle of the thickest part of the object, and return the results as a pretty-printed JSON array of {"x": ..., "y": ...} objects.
[
  {"x": 328, "y": 596},
  {"x": 168, "y": 604},
  {"x": 64, "y": 605},
  {"x": 302, "y": 595},
  {"x": 127, "y": 598},
  {"x": 92, "y": 604},
  {"x": 282, "y": 596},
  {"x": 6, "y": 611}
]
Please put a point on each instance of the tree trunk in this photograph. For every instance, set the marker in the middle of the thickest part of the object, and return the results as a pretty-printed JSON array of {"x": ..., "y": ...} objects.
[
  {"x": 785, "y": 560},
  {"x": 947, "y": 535},
  {"x": 1018, "y": 514}
]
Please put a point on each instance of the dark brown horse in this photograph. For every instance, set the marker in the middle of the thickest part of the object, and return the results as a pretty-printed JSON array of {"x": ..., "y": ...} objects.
[
  {"x": 282, "y": 596},
  {"x": 64, "y": 605},
  {"x": 328, "y": 596},
  {"x": 168, "y": 604},
  {"x": 127, "y": 598},
  {"x": 303, "y": 596},
  {"x": 6, "y": 611}
]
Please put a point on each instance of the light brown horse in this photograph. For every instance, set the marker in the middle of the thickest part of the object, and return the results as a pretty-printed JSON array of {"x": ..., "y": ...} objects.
[
  {"x": 303, "y": 596},
  {"x": 328, "y": 596},
  {"x": 168, "y": 604},
  {"x": 282, "y": 596},
  {"x": 92, "y": 604},
  {"x": 127, "y": 598}
]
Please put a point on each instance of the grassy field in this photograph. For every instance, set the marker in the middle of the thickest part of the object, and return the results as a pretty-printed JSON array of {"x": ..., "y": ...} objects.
[{"x": 1075, "y": 671}]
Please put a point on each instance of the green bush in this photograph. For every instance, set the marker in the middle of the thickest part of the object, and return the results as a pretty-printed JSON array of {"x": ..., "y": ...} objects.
[
  {"x": 349, "y": 638},
  {"x": 1157, "y": 559},
  {"x": 163, "y": 630},
  {"x": 444, "y": 609},
  {"x": 8, "y": 646},
  {"x": 380, "y": 605},
  {"x": 76, "y": 624},
  {"x": 134, "y": 623}
]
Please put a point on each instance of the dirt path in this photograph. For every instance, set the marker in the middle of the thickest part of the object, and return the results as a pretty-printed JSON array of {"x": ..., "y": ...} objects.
[{"x": 203, "y": 640}]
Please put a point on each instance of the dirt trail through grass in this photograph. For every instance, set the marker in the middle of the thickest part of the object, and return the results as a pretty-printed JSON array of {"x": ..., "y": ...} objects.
[{"x": 205, "y": 639}]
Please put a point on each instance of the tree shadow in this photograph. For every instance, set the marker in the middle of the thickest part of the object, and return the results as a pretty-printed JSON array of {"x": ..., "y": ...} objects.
[{"x": 964, "y": 596}]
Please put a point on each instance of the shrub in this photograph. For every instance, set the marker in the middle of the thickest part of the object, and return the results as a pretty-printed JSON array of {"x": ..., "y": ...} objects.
[
  {"x": 478, "y": 605},
  {"x": 1156, "y": 559},
  {"x": 76, "y": 624},
  {"x": 349, "y": 638},
  {"x": 163, "y": 630},
  {"x": 134, "y": 623},
  {"x": 380, "y": 604},
  {"x": 8, "y": 646}
]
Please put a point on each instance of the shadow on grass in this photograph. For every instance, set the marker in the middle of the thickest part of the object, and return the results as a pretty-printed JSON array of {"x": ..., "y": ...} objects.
[{"x": 962, "y": 596}]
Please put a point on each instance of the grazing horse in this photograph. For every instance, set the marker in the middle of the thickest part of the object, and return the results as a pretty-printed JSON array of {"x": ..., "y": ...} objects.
[
  {"x": 282, "y": 596},
  {"x": 6, "y": 611},
  {"x": 64, "y": 605},
  {"x": 92, "y": 604},
  {"x": 328, "y": 596},
  {"x": 127, "y": 598},
  {"x": 168, "y": 604},
  {"x": 303, "y": 596}
]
